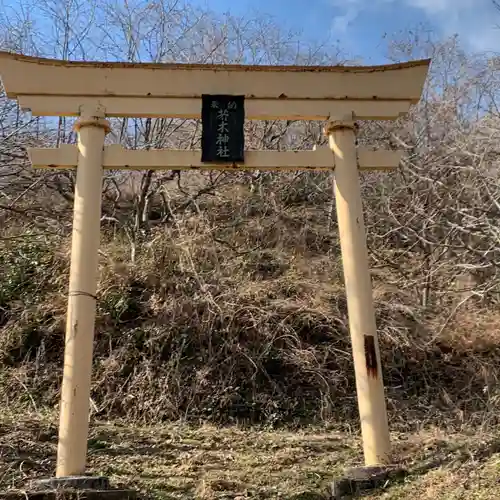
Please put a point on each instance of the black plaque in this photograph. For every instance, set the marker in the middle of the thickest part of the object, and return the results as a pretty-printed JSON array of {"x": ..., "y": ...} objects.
[{"x": 222, "y": 137}]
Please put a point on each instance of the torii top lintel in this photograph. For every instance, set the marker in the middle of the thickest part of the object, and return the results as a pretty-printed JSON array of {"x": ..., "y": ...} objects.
[{"x": 54, "y": 87}]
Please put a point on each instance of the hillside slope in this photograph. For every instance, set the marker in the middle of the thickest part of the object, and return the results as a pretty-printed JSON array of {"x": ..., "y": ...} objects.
[{"x": 237, "y": 314}]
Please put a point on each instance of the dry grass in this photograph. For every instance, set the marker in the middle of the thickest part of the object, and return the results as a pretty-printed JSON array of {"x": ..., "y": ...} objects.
[
  {"x": 238, "y": 315},
  {"x": 177, "y": 461}
]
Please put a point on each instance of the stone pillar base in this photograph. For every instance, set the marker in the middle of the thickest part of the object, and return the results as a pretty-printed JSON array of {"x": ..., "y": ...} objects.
[
  {"x": 70, "y": 488},
  {"x": 362, "y": 479}
]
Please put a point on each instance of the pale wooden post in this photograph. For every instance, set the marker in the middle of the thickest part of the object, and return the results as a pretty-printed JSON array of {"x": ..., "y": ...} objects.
[
  {"x": 368, "y": 371},
  {"x": 75, "y": 393}
]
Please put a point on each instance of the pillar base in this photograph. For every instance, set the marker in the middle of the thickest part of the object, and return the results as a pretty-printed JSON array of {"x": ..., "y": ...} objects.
[
  {"x": 72, "y": 482},
  {"x": 70, "y": 488},
  {"x": 69, "y": 495},
  {"x": 362, "y": 479}
]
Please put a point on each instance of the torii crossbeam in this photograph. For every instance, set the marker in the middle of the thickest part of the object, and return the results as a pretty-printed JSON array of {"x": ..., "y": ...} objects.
[{"x": 94, "y": 91}]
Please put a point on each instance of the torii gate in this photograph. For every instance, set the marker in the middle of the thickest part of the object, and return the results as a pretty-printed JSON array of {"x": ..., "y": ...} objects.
[{"x": 94, "y": 91}]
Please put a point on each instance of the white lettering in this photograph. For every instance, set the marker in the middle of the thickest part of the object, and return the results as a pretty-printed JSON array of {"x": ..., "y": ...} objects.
[
  {"x": 223, "y": 151},
  {"x": 223, "y": 114},
  {"x": 223, "y": 128},
  {"x": 222, "y": 139}
]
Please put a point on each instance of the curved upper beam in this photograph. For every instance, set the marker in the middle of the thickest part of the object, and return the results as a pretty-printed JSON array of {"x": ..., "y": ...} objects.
[{"x": 33, "y": 76}]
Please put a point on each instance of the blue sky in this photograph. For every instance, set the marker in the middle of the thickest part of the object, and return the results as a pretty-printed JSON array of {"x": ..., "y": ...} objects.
[{"x": 359, "y": 25}]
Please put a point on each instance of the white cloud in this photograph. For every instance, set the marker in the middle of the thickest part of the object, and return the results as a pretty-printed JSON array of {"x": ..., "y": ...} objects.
[
  {"x": 475, "y": 21},
  {"x": 342, "y": 22}
]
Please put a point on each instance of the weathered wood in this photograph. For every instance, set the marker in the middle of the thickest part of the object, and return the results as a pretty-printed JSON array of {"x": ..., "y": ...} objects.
[
  {"x": 117, "y": 157},
  {"x": 255, "y": 109},
  {"x": 23, "y": 75}
]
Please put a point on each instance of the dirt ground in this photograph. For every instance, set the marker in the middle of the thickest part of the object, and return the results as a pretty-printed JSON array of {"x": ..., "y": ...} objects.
[{"x": 175, "y": 461}]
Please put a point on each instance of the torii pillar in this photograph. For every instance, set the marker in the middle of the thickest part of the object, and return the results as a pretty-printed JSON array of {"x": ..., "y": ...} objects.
[
  {"x": 367, "y": 366},
  {"x": 80, "y": 321}
]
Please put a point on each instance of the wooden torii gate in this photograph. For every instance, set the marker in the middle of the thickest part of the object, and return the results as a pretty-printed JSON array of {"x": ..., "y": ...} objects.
[{"x": 95, "y": 90}]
